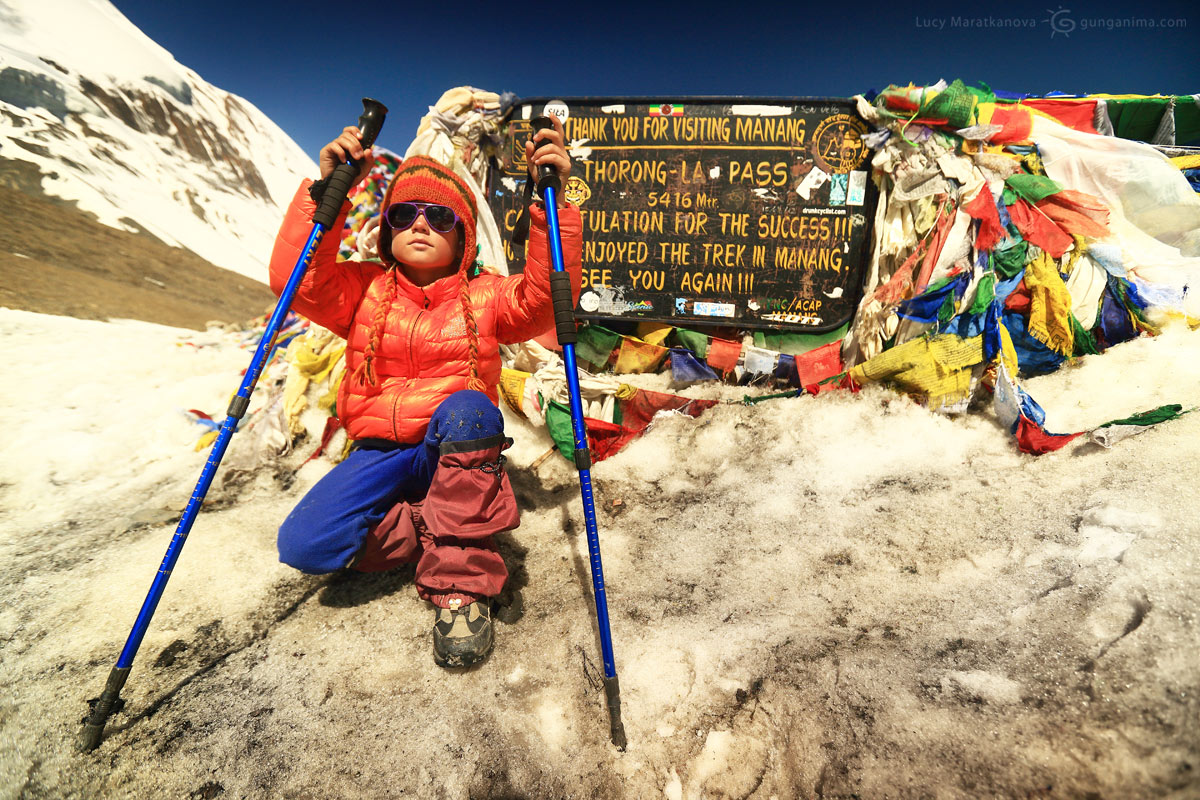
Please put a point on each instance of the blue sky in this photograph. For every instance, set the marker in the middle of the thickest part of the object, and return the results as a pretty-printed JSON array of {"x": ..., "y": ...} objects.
[{"x": 306, "y": 64}]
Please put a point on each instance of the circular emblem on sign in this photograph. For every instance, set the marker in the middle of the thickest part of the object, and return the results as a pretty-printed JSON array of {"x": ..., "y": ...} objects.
[
  {"x": 589, "y": 301},
  {"x": 837, "y": 144},
  {"x": 576, "y": 191},
  {"x": 558, "y": 108}
]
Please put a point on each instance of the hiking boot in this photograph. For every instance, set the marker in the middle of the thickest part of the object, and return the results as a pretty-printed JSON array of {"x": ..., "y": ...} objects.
[{"x": 462, "y": 636}]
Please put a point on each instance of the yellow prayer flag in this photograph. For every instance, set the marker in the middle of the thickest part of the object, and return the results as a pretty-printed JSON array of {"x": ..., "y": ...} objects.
[
  {"x": 1008, "y": 353},
  {"x": 512, "y": 388},
  {"x": 937, "y": 367},
  {"x": 654, "y": 332},
  {"x": 1050, "y": 305},
  {"x": 206, "y": 440},
  {"x": 638, "y": 356}
]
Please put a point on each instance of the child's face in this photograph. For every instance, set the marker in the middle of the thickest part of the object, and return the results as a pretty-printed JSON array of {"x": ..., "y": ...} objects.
[{"x": 423, "y": 248}]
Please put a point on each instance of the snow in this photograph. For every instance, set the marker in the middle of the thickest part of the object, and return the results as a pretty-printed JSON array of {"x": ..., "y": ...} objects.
[
  {"x": 91, "y": 37},
  {"x": 815, "y": 596},
  {"x": 129, "y": 178}
]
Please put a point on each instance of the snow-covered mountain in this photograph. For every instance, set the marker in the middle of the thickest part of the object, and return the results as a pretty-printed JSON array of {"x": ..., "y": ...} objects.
[{"x": 116, "y": 124}]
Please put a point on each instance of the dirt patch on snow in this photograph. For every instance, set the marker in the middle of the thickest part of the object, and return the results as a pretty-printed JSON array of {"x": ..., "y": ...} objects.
[{"x": 56, "y": 259}]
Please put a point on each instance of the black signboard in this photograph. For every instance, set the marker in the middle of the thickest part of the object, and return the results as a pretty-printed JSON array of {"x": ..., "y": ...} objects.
[{"x": 719, "y": 211}]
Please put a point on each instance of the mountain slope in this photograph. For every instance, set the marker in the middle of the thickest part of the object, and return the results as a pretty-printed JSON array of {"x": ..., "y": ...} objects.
[{"x": 116, "y": 125}]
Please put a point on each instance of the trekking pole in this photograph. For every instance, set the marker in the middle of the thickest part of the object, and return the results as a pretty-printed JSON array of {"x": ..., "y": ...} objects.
[
  {"x": 340, "y": 181},
  {"x": 564, "y": 323}
]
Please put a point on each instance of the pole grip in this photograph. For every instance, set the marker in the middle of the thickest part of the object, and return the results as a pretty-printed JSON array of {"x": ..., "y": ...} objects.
[
  {"x": 346, "y": 175},
  {"x": 547, "y": 173},
  {"x": 564, "y": 307},
  {"x": 93, "y": 729},
  {"x": 343, "y": 177}
]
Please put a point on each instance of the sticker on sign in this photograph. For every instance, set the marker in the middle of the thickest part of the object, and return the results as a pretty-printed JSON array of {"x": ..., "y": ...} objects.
[
  {"x": 558, "y": 108},
  {"x": 714, "y": 309}
]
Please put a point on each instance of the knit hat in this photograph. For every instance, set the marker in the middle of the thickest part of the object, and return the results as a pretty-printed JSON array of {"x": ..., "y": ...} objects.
[{"x": 423, "y": 180}]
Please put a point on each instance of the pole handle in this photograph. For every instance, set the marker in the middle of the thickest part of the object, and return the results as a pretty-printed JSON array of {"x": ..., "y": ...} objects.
[
  {"x": 346, "y": 175},
  {"x": 547, "y": 173}
]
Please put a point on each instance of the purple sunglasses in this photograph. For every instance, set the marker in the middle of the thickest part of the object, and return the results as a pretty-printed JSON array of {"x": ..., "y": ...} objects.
[{"x": 401, "y": 216}]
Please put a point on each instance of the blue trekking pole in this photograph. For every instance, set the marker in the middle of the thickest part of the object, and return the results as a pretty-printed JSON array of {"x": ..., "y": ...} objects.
[
  {"x": 564, "y": 323},
  {"x": 339, "y": 185}
]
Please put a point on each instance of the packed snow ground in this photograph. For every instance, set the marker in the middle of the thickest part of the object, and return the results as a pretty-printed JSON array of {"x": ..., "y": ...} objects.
[{"x": 835, "y": 596}]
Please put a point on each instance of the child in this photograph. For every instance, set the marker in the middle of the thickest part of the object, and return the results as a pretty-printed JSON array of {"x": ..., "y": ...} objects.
[{"x": 424, "y": 480}]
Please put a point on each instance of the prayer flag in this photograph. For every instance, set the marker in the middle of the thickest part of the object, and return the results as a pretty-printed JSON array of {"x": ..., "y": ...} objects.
[
  {"x": 983, "y": 208},
  {"x": 686, "y": 368},
  {"x": 816, "y": 365},
  {"x": 596, "y": 344},
  {"x": 759, "y": 361},
  {"x": 512, "y": 388},
  {"x": 1039, "y": 229},
  {"x": 638, "y": 356},
  {"x": 696, "y": 342},
  {"x": 723, "y": 354},
  {"x": 1032, "y": 438}
]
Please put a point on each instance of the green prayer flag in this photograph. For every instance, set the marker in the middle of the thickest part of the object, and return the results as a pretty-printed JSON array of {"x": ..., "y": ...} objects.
[
  {"x": 1085, "y": 343},
  {"x": 1032, "y": 187},
  {"x": 947, "y": 309},
  {"x": 955, "y": 104},
  {"x": 596, "y": 343},
  {"x": 558, "y": 422},
  {"x": 1009, "y": 260},
  {"x": 984, "y": 293},
  {"x": 796, "y": 344},
  {"x": 1151, "y": 417},
  {"x": 696, "y": 342}
]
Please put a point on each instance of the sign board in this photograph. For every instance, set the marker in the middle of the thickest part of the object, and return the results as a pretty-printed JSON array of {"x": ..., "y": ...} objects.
[{"x": 718, "y": 211}]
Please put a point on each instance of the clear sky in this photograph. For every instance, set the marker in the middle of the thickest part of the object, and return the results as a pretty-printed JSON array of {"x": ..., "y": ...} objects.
[{"x": 306, "y": 64}]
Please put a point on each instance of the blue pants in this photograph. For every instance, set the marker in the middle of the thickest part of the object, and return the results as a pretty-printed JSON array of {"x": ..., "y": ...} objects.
[{"x": 327, "y": 528}]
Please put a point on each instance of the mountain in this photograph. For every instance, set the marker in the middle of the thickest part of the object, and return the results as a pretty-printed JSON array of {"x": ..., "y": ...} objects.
[{"x": 115, "y": 125}]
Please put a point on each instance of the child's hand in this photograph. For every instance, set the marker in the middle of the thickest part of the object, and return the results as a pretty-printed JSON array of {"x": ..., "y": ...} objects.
[
  {"x": 553, "y": 153},
  {"x": 344, "y": 147}
]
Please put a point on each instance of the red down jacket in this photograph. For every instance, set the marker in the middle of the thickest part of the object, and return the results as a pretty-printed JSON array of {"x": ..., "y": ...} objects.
[{"x": 423, "y": 356}]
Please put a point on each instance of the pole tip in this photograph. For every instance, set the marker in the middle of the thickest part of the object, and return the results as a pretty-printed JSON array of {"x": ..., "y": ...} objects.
[
  {"x": 618, "y": 735},
  {"x": 89, "y": 738}
]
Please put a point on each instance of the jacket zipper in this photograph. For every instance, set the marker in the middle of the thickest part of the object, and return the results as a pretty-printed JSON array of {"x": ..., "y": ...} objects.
[{"x": 412, "y": 365}]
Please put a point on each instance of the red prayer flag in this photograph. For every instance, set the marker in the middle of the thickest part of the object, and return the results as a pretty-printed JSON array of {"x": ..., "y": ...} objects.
[
  {"x": 1016, "y": 122},
  {"x": 606, "y": 439},
  {"x": 1036, "y": 227},
  {"x": 723, "y": 354},
  {"x": 1076, "y": 212},
  {"x": 983, "y": 208},
  {"x": 1078, "y": 113},
  {"x": 937, "y": 242},
  {"x": 332, "y": 426},
  {"x": 638, "y": 410},
  {"x": 1033, "y": 439},
  {"x": 817, "y": 365},
  {"x": 1019, "y": 299}
]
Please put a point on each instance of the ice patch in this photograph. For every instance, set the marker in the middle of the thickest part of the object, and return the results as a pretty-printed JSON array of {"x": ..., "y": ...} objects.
[
  {"x": 987, "y": 686},
  {"x": 1108, "y": 531}
]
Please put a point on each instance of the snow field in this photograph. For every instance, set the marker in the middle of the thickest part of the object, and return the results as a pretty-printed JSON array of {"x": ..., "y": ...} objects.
[{"x": 843, "y": 593}]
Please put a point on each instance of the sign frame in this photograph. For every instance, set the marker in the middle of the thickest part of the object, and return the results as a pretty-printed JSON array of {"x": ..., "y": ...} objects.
[{"x": 720, "y": 300}]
